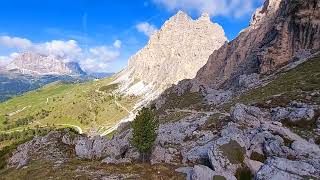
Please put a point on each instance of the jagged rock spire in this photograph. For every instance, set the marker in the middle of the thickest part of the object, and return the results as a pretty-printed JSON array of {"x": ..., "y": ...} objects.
[{"x": 178, "y": 50}]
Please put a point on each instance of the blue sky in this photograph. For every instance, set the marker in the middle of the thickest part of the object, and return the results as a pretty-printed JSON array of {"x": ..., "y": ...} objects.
[{"x": 105, "y": 32}]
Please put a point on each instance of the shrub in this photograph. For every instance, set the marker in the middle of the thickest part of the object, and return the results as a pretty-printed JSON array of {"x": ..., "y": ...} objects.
[{"x": 144, "y": 131}]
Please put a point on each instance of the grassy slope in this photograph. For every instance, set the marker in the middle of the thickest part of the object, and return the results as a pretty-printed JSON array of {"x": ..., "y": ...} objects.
[
  {"x": 301, "y": 84},
  {"x": 296, "y": 84},
  {"x": 77, "y": 169},
  {"x": 82, "y": 105}
]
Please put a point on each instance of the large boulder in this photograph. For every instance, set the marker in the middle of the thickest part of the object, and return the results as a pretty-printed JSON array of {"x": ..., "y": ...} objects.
[
  {"x": 228, "y": 152},
  {"x": 280, "y": 168},
  {"x": 172, "y": 137},
  {"x": 101, "y": 147},
  {"x": 248, "y": 115},
  {"x": 216, "y": 97}
]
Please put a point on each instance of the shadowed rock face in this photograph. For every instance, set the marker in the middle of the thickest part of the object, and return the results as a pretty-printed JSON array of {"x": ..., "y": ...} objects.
[{"x": 278, "y": 32}]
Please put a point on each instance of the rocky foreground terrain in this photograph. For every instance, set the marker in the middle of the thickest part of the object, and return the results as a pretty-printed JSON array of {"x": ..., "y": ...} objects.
[
  {"x": 264, "y": 124},
  {"x": 262, "y": 133}
]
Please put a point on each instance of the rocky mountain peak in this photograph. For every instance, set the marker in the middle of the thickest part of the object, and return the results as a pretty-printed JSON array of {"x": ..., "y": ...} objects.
[
  {"x": 269, "y": 7},
  {"x": 177, "y": 51},
  {"x": 204, "y": 17},
  {"x": 180, "y": 17},
  {"x": 39, "y": 64}
]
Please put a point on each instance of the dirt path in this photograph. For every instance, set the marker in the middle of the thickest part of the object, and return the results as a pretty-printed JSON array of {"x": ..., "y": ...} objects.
[
  {"x": 208, "y": 113},
  {"x": 77, "y": 127},
  {"x": 18, "y": 111},
  {"x": 120, "y": 105}
]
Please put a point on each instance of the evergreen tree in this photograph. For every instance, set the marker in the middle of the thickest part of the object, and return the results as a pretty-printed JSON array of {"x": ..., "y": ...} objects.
[{"x": 144, "y": 131}]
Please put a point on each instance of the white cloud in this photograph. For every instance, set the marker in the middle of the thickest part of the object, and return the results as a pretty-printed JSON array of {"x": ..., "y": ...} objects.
[
  {"x": 99, "y": 58},
  {"x": 95, "y": 59},
  {"x": 5, "y": 60},
  {"x": 117, "y": 44},
  {"x": 231, "y": 8},
  {"x": 146, "y": 28},
  {"x": 104, "y": 53},
  {"x": 68, "y": 50},
  {"x": 15, "y": 42}
]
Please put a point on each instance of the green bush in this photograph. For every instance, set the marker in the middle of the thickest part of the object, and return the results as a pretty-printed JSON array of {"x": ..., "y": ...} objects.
[{"x": 144, "y": 131}]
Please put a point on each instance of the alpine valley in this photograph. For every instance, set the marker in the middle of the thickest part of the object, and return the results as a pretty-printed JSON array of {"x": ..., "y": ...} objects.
[{"x": 244, "y": 109}]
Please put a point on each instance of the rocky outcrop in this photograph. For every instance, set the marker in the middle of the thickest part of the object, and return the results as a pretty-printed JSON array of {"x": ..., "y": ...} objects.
[
  {"x": 117, "y": 150},
  {"x": 38, "y": 64},
  {"x": 248, "y": 115},
  {"x": 279, "y": 31},
  {"x": 187, "y": 144},
  {"x": 49, "y": 147},
  {"x": 175, "y": 52},
  {"x": 279, "y": 168}
]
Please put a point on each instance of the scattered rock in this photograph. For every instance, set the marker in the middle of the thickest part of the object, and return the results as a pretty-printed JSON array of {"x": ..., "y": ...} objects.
[
  {"x": 216, "y": 97},
  {"x": 248, "y": 81},
  {"x": 49, "y": 147},
  {"x": 293, "y": 114}
]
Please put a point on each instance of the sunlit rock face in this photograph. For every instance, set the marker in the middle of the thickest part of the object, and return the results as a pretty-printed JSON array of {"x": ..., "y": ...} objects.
[{"x": 175, "y": 52}]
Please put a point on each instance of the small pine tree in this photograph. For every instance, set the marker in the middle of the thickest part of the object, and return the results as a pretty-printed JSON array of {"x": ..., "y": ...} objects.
[{"x": 144, "y": 132}]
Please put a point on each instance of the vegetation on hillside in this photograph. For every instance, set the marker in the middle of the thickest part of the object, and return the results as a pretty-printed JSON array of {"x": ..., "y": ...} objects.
[{"x": 85, "y": 105}]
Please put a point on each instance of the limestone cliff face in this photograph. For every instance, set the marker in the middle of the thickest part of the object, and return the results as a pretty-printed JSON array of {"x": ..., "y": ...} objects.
[
  {"x": 175, "y": 52},
  {"x": 37, "y": 64},
  {"x": 278, "y": 32}
]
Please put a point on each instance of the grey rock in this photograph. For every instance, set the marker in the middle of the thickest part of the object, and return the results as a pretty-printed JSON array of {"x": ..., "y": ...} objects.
[
  {"x": 248, "y": 81},
  {"x": 254, "y": 166},
  {"x": 160, "y": 154},
  {"x": 196, "y": 153},
  {"x": 292, "y": 113},
  {"x": 100, "y": 147},
  {"x": 221, "y": 154},
  {"x": 201, "y": 172},
  {"x": 280, "y": 168},
  {"x": 49, "y": 147},
  {"x": 175, "y": 134},
  {"x": 247, "y": 114},
  {"x": 216, "y": 97},
  {"x": 68, "y": 139}
]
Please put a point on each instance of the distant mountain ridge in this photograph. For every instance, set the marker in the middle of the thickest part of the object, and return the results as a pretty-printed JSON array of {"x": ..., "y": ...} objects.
[{"x": 37, "y": 64}]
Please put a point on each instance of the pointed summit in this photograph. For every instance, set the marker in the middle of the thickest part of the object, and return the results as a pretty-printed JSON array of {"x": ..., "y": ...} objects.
[
  {"x": 204, "y": 17},
  {"x": 179, "y": 49},
  {"x": 180, "y": 16}
]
